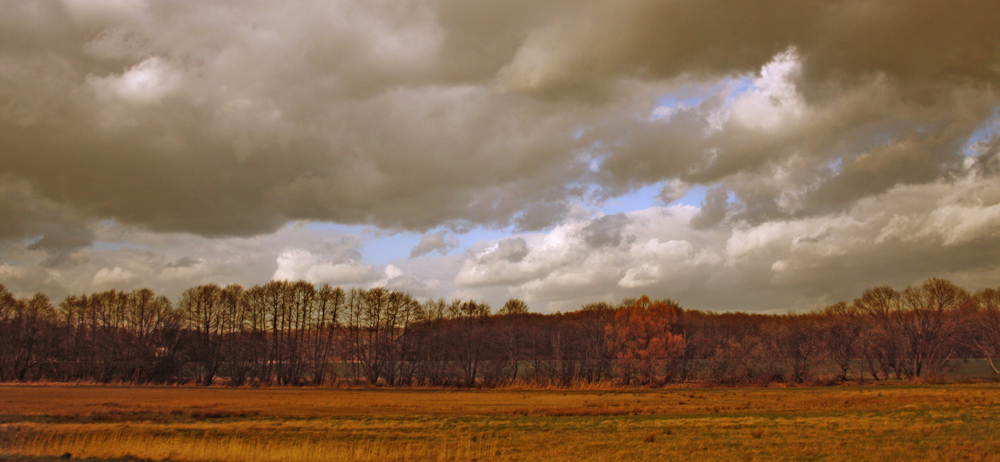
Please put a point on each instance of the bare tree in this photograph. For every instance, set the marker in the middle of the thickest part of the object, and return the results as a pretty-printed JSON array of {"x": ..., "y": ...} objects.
[
  {"x": 8, "y": 332},
  {"x": 203, "y": 315},
  {"x": 470, "y": 338},
  {"x": 881, "y": 340},
  {"x": 378, "y": 320},
  {"x": 258, "y": 346},
  {"x": 596, "y": 360},
  {"x": 982, "y": 330},
  {"x": 238, "y": 343},
  {"x": 798, "y": 340},
  {"x": 430, "y": 341},
  {"x": 31, "y": 324},
  {"x": 148, "y": 318},
  {"x": 912, "y": 331},
  {"x": 513, "y": 306},
  {"x": 511, "y": 340},
  {"x": 840, "y": 329},
  {"x": 324, "y": 330},
  {"x": 926, "y": 326}
]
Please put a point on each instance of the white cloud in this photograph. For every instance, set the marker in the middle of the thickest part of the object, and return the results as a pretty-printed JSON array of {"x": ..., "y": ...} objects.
[
  {"x": 770, "y": 266},
  {"x": 570, "y": 262},
  {"x": 299, "y": 264},
  {"x": 392, "y": 272},
  {"x": 145, "y": 83},
  {"x": 774, "y": 101},
  {"x": 8, "y": 272},
  {"x": 959, "y": 224},
  {"x": 655, "y": 261},
  {"x": 113, "y": 276}
]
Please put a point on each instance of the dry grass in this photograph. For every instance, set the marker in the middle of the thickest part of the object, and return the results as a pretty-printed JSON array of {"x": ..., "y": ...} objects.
[
  {"x": 929, "y": 422},
  {"x": 149, "y": 444}
]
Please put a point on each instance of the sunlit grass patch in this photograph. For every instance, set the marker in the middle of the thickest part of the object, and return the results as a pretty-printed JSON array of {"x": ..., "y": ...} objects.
[
  {"x": 931, "y": 422},
  {"x": 220, "y": 447}
]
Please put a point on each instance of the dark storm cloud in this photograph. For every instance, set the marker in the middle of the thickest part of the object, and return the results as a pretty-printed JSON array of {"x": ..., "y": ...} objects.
[
  {"x": 225, "y": 118},
  {"x": 221, "y": 119},
  {"x": 914, "y": 41},
  {"x": 41, "y": 223}
]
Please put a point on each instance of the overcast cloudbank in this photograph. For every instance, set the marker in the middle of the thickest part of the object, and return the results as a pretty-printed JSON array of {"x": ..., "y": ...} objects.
[{"x": 837, "y": 145}]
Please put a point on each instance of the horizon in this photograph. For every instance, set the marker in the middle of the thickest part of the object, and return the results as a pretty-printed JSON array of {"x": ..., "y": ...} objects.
[{"x": 968, "y": 295}]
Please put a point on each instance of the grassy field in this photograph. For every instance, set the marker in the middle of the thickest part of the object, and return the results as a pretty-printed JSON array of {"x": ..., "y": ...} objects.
[{"x": 925, "y": 422}]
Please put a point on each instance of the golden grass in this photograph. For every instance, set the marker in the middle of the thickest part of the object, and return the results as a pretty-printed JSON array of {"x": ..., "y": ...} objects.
[
  {"x": 927, "y": 422},
  {"x": 209, "y": 446}
]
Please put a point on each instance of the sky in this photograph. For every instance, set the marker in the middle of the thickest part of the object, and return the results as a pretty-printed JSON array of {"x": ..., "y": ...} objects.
[{"x": 732, "y": 155}]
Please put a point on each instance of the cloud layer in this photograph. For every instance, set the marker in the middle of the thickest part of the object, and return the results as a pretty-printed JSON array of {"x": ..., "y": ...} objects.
[
  {"x": 199, "y": 139},
  {"x": 948, "y": 228}
]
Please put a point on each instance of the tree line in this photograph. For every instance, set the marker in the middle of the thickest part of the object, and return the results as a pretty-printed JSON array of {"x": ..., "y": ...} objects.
[{"x": 295, "y": 333}]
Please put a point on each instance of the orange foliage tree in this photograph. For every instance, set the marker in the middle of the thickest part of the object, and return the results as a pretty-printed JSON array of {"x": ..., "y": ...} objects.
[{"x": 641, "y": 342}]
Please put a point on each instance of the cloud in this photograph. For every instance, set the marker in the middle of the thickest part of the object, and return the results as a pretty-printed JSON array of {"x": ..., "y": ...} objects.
[
  {"x": 298, "y": 264},
  {"x": 222, "y": 120},
  {"x": 145, "y": 83},
  {"x": 587, "y": 46},
  {"x": 213, "y": 133},
  {"x": 773, "y": 152},
  {"x": 439, "y": 242},
  {"x": 502, "y": 262},
  {"x": 654, "y": 261},
  {"x": 113, "y": 277},
  {"x": 170, "y": 263},
  {"x": 605, "y": 231},
  {"x": 947, "y": 228},
  {"x": 46, "y": 224},
  {"x": 327, "y": 111},
  {"x": 8, "y": 272},
  {"x": 186, "y": 269}
]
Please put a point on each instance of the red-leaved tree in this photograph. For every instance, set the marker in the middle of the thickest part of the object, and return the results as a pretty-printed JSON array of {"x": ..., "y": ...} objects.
[{"x": 641, "y": 342}]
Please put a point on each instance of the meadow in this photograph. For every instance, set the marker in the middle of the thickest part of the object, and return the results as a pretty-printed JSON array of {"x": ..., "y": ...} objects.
[{"x": 871, "y": 422}]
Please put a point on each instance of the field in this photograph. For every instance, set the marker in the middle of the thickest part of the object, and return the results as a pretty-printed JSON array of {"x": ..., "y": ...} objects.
[{"x": 919, "y": 422}]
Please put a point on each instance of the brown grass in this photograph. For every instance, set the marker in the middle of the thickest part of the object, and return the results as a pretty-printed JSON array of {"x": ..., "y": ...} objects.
[{"x": 928, "y": 422}]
